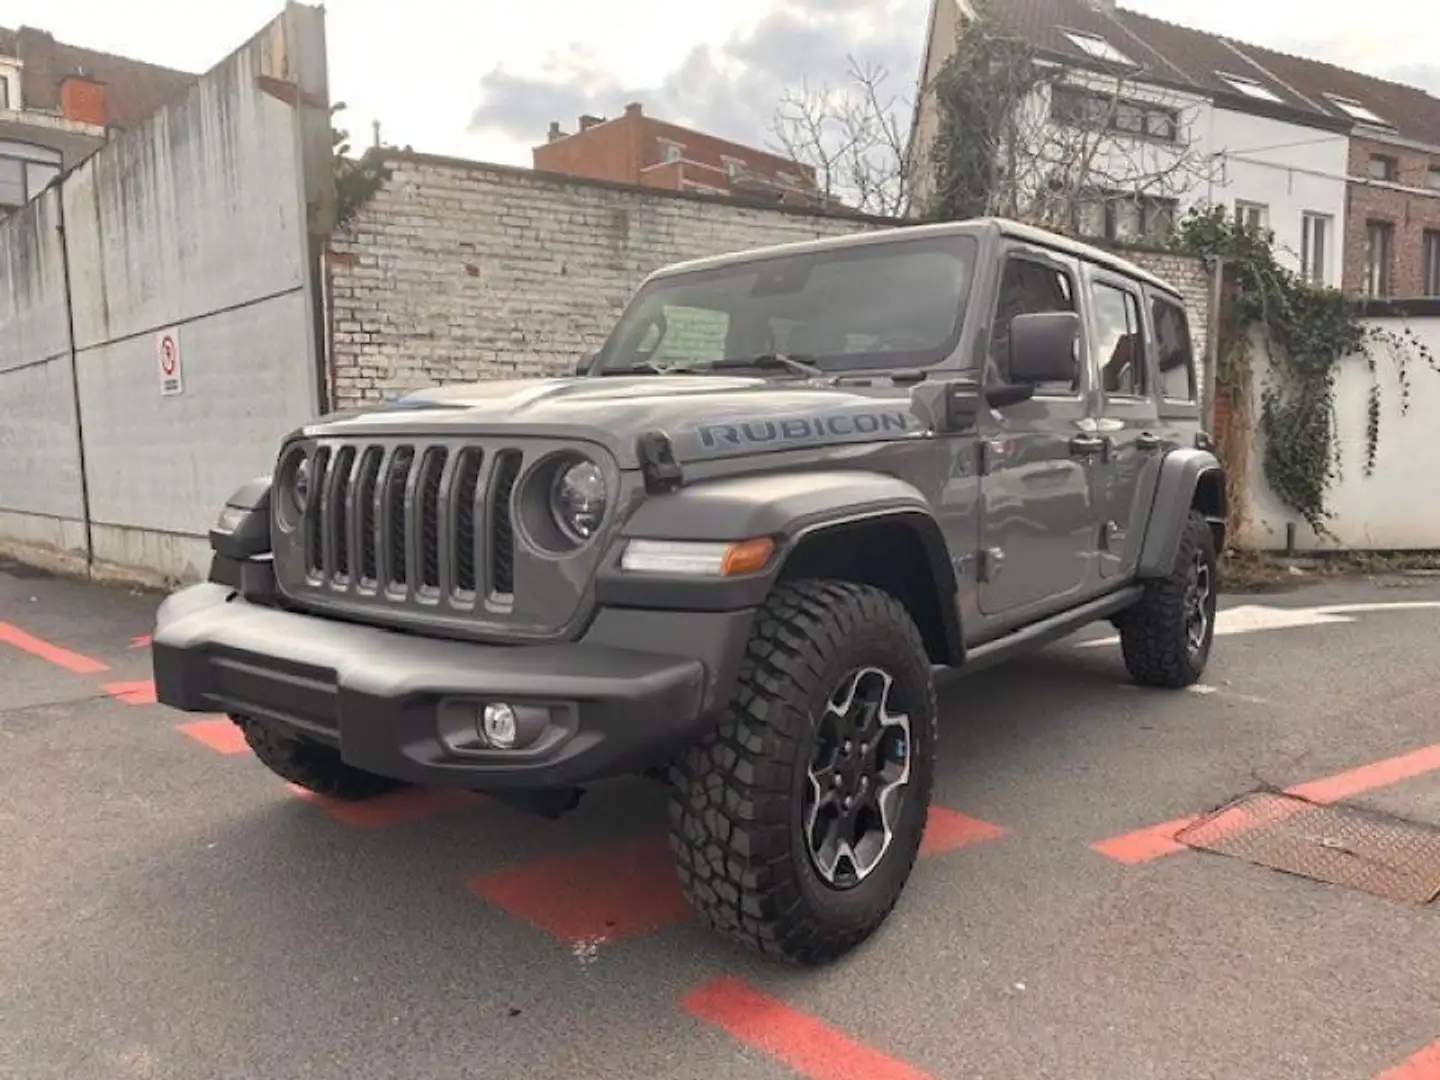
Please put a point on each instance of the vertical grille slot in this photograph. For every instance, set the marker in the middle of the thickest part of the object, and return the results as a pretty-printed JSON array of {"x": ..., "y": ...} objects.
[
  {"x": 467, "y": 484},
  {"x": 427, "y": 498},
  {"x": 339, "y": 508},
  {"x": 502, "y": 528},
  {"x": 393, "y": 544},
  {"x": 367, "y": 510},
  {"x": 316, "y": 513}
]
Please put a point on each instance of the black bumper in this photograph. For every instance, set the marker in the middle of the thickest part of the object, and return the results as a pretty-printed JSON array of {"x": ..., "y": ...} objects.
[{"x": 639, "y": 685}]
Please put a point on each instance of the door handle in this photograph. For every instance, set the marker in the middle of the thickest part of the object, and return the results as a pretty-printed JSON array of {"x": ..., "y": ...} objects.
[
  {"x": 1084, "y": 446},
  {"x": 1147, "y": 440}
]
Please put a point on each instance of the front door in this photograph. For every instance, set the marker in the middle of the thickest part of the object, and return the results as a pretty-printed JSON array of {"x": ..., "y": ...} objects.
[
  {"x": 1037, "y": 518},
  {"x": 1128, "y": 469}
]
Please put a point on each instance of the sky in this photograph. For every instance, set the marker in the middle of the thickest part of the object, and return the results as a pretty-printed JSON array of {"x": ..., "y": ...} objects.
[{"x": 483, "y": 80}]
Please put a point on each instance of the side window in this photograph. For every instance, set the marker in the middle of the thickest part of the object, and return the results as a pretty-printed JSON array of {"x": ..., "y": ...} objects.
[
  {"x": 1119, "y": 341},
  {"x": 1028, "y": 286},
  {"x": 1173, "y": 351}
]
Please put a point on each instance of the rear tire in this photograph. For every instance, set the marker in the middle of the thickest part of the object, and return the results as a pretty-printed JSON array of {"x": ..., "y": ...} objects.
[
  {"x": 1166, "y": 637},
  {"x": 310, "y": 765},
  {"x": 761, "y": 806}
]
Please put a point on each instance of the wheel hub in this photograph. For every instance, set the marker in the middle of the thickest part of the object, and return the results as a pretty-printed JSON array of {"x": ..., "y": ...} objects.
[{"x": 857, "y": 776}]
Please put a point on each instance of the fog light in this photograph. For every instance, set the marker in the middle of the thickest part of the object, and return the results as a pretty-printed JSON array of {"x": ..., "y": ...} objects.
[{"x": 499, "y": 725}]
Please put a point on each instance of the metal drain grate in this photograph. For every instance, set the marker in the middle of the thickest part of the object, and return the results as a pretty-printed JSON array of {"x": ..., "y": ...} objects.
[{"x": 1340, "y": 845}]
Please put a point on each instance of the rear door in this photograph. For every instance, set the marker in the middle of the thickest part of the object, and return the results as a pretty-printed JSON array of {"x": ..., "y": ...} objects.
[
  {"x": 1128, "y": 467},
  {"x": 1037, "y": 518}
]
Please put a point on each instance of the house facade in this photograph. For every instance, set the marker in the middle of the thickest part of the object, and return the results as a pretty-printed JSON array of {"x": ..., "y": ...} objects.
[
  {"x": 59, "y": 103},
  {"x": 1281, "y": 142},
  {"x": 637, "y": 149}
]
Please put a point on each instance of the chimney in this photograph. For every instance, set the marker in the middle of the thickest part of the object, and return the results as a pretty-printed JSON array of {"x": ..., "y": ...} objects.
[
  {"x": 83, "y": 99},
  {"x": 587, "y": 121},
  {"x": 633, "y": 109},
  {"x": 555, "y": 133}
]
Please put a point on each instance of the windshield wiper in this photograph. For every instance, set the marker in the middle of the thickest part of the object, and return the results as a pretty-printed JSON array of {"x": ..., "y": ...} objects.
[{"x": 764, "y": 360}]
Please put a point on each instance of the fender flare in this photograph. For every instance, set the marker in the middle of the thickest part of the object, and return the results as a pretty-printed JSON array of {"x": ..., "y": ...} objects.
[
  {"x": 1182, "y": 474},
  {"x": 795, "y": 508}
]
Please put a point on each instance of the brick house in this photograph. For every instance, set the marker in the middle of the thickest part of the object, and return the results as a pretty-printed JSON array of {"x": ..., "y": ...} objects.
[
  {"x": 1342, "y": 167},
  {"x": 59, "y": 103},
  {"x": 637, "y": 149}
]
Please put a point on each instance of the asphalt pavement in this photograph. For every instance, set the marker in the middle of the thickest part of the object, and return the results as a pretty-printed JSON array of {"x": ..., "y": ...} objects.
[{"x": 170, "y": 909}]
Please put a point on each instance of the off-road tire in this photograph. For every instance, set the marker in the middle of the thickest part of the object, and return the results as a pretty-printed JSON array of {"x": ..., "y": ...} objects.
[
  {"x": 312, "y": 766},
  {"x": 735, "y": 808},
  {"x": 1153, "y": 638}
]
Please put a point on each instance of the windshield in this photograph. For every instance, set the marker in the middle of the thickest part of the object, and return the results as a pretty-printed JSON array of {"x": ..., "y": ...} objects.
[{"x": 895, "y": 304}]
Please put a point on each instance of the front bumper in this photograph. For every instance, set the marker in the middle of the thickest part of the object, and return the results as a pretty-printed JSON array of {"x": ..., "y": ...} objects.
[{"x": 639, "y": 685}]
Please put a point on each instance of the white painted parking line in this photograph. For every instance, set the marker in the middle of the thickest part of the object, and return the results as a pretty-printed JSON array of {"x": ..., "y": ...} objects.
[{"x": 1251, "y": 618}]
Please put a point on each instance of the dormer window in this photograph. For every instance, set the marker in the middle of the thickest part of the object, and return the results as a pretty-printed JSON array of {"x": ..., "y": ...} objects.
[
  {"x": 1356, "y": 111},
  {"x": 1097, "y": 48},
  {"x": 10, "y": 85},
  {"x": 1248, "y": 87}
]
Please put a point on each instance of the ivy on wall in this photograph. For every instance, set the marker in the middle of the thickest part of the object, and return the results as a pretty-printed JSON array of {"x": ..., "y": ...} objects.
[
  {"x": 1308, "y": 331},
  {"x": 356, "y": 179}
]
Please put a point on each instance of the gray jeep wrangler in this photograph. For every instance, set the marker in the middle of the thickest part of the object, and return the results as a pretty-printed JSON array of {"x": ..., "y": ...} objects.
[{"x": 730, "y": 552}]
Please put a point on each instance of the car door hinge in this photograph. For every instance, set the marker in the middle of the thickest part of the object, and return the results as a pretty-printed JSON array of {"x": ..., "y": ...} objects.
[{"x": 988, "y": 455}]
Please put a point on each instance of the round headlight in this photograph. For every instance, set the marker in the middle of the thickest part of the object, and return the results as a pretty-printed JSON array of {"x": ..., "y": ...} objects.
[
  {"x": 300, "y": 486},
  {"x": 578, "y": 500}
]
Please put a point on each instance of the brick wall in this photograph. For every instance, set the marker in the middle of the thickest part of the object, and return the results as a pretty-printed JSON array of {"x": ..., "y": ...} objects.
[
  {"x": 1410, "y": 213},
  {"x": 458, "y": 271}
]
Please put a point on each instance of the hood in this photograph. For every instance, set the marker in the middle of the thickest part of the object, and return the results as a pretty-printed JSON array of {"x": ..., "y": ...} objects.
[{"x": 705, "y": 416}]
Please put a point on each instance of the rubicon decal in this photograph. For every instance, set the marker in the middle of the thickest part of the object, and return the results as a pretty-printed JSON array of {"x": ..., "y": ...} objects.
[{"x": 773, "y": 432}]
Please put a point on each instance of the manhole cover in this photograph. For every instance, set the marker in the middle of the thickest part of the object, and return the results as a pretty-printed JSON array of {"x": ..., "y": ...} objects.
[{"x": 1341, "y": 845}]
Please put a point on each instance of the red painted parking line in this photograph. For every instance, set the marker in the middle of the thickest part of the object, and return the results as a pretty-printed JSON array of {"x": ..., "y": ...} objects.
[
  {"x": 141, "y": 692},
  {"x": 219, "y": 733},
  {"x": 399, "y": 807},
  {"x": 798, "y": 1040},
  {"x": 1156, "y": 841},
  {"x": 71, "y": 661},
  {"x": 1422, "y": 1065},
  {"x": 140, "y": 641},
  {"x": 602, "y": 893},
  {"x": 949, "y": 830},
  {"x": 618, "y": 891}
]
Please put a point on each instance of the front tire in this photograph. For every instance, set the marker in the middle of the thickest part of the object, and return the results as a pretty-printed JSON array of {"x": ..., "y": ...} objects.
[
  {"x": 312, "y": 766},
  {"x": 1166, "y": 637},
  {"x": 796, "y": 823}
]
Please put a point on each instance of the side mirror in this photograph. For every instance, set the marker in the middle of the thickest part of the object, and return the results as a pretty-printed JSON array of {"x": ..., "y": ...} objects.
[
  {"x": 1042, "y": 347},
  {"x": 584, "y": 363}
]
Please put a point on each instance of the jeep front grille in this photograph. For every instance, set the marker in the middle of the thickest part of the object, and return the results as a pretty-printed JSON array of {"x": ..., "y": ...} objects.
[{"x": 410, "y": 521}]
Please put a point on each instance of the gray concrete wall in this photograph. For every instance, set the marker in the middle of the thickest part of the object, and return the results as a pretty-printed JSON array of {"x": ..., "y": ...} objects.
[
  {"x": 457, "y": 271},
  {"x": 193, "y": 225}
]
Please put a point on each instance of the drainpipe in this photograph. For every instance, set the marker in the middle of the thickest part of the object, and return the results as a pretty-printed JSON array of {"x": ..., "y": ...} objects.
[
  {"x": 1212, "y": 342},
  {"x": 75, "y": 382}
]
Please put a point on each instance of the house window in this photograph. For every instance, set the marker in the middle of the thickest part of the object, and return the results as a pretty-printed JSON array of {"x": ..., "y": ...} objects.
[
  {"x": 1314, "y": 247},
  {"x": 25, "y": 170},
  {"x": 1379, "y": 242},
  {"x": 1435, "y": 177},
  {"x": 1252, "y": 216},
  {"x": 670, "y": 151},
  {"x": 1174, "y": 354},
  {"x": 1097, "y": 48},
  {"x": 1126, "y": 218},
  {"x": 1087, "y": 108},
  {"x": 1356, "y": 111},
  {"x": 1248, "y": 87},
  {"x": 4, "y": 92},
  {"x": 1432, "y": 262},
  {"x": 734, "y": 167},
  {"x": 1381, "y": 167}
]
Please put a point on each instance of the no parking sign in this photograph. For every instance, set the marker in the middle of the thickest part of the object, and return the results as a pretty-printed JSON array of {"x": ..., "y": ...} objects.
[{"x": 167, "y": 355}]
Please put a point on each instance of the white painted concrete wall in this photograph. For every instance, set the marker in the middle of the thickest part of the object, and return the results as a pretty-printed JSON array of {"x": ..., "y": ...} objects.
[
  {"x": 194, "y": 221},
  {"x": 1397, "y": 507},
  {"x": 1287, "y": 168}
]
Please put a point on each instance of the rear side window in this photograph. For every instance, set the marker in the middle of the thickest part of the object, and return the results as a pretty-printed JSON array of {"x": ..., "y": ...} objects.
[
  {"x": 1119, "y": 341},
  {"x": 1173, "y": 350}
]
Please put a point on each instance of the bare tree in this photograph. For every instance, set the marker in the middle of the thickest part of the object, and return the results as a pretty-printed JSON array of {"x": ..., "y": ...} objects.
[
  {"x": 1073, "y": 150},
  {"x": 852, "y": 136}
]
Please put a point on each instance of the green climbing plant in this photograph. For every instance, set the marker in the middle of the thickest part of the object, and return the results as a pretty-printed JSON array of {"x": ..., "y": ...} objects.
[
  {"x": 1308, "y": 331},
  {"x": 356, "y": 179}
]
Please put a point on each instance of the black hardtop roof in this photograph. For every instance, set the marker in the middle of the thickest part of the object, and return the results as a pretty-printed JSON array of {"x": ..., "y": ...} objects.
[{"x": 994, "y": 226}]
